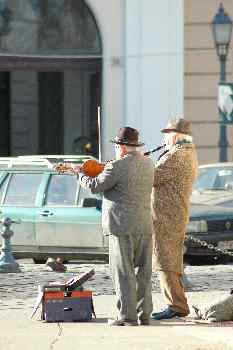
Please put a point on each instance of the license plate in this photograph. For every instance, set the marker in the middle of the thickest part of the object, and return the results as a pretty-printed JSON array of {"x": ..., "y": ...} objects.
[{"x": 225, "y": 245}]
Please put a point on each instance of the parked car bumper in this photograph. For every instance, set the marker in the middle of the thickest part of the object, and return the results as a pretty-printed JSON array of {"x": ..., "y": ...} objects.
[{"x": 67, "y": 253}]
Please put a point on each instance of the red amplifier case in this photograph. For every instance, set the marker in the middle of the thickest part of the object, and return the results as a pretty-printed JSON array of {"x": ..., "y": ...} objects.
[{"x": 63, "y": 306}]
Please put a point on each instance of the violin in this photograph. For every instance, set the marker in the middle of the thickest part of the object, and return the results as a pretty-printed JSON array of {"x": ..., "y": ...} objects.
[{"x": 92, "y": 167}]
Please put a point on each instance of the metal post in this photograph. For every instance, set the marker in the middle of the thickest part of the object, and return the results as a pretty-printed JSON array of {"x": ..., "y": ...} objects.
[
  {"x": 7, "y": 261},
  {"x": 223, "y": 143}
]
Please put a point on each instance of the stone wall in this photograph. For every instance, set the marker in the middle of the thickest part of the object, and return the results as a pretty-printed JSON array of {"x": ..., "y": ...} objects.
[{"x": 202, "y": 75}]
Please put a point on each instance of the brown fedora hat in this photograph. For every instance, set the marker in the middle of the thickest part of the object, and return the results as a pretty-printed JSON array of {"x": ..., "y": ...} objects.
[
  {"x": 181, "y": 126},
  {"x": 127, "y": 136}
]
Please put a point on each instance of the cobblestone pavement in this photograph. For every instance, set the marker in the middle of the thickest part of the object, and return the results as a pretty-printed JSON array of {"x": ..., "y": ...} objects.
[
  {"x": 21, "y": 286},
  {"x": 18, "y": 294}
]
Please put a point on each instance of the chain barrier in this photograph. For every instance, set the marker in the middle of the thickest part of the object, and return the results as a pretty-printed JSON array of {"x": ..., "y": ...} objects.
[{"x": 210, "y": 246}]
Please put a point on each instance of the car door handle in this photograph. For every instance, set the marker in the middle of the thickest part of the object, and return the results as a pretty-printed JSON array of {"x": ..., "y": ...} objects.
[{"x": 46, "y": 213}]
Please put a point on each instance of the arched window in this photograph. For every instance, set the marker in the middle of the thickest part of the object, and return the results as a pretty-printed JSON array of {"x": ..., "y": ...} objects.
[{"x": 48, "y": 27}]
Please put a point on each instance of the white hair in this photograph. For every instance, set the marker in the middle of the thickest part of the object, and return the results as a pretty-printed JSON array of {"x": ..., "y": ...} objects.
[
  {"x": 131, "y": 148},
  {"x": 185, "y": 137}
]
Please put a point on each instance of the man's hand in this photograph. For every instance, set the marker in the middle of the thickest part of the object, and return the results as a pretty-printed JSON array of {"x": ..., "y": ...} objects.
[
  {"x": 76, "y": 168},
  {"x": 67, "y": 168}
]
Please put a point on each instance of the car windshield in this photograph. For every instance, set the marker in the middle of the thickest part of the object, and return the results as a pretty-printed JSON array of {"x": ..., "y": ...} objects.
[{"x": 214, "y": 179}]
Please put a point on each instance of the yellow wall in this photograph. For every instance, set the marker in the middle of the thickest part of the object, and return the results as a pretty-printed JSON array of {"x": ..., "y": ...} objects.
[{"x": 202, "y": 76}]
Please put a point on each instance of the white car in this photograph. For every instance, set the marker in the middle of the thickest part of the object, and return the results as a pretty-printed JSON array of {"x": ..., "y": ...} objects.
[{"x": 214, "y": 185}]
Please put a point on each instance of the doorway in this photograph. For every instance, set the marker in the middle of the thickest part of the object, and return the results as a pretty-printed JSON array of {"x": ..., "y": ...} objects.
[
  {"x": 50, "y": 77},
  {"x": 49, "y": 112},
  {"x": 4, "y": 113}
]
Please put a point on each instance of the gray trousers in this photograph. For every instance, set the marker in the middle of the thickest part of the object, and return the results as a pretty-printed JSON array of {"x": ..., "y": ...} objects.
[{"x": 130, "y": 260}]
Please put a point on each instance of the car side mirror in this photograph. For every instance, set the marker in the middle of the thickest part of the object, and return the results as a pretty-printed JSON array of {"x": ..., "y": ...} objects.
[{"x": 89, "y": 202}]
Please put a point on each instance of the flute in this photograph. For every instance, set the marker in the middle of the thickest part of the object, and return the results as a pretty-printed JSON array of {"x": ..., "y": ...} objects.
[{"x": 154, "y": 150}]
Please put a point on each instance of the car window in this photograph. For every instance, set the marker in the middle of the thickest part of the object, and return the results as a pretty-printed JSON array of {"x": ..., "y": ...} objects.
[
  {"x": 22, "y": 189},
  {"x": 218, "y": 178},
  {"x": 62, "y": 190},
  {"x": 85, "y": 193}
]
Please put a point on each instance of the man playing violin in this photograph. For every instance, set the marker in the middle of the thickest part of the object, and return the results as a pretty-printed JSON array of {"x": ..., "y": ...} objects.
[{"x": 126, "y": 184}]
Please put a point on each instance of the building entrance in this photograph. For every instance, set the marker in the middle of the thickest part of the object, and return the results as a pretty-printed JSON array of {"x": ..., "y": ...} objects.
[
  {"x": 50, "y": 78},
  {"x": 49, "y": 112}
]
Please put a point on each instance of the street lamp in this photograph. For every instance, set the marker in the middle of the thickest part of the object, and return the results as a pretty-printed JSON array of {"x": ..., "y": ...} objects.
[{"x": 222, "y": 29}]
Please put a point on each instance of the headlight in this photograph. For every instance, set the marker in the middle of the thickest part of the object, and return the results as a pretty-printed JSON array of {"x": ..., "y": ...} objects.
[{"x": 197, "y": 226}]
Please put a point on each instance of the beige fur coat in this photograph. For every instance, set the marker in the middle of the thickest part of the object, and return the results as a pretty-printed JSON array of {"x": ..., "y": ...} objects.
[{"x": 173, "y": 179}]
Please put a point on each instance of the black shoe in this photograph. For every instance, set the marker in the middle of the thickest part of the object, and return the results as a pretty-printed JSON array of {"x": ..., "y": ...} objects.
[
  {"x": 145, "y": 322},
  {"x": 166, "y": 314}
]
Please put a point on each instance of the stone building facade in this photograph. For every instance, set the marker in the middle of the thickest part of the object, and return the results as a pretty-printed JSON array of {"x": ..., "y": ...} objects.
[
  {"x": 61, "y": 59},
  {"x": 201, "y": 77},
  {"x": 141, "y": 61}
]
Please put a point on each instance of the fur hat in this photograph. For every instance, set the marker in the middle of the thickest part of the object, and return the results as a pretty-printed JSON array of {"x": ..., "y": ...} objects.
[{"x": 181, "y": 126}]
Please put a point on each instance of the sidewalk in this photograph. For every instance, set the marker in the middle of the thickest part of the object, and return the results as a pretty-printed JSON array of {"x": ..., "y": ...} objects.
[
  {"x": 17, "y": 331},
  {"x": 18, "y": 294}
]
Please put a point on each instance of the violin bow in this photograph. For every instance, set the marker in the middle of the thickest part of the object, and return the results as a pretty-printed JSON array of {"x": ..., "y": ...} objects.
[{"x": 99, "y": 133}]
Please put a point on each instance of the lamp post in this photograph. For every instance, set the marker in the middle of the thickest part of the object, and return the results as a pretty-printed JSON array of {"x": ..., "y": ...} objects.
[{"x": 222, "y": 29}]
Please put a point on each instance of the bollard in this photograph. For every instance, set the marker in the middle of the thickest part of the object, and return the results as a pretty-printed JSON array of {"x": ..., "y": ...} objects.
[{"x": 7, "y": 261}]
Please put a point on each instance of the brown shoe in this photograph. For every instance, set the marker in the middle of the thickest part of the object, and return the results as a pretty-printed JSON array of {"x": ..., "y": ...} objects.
[{"x": 56, "y": 265}]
